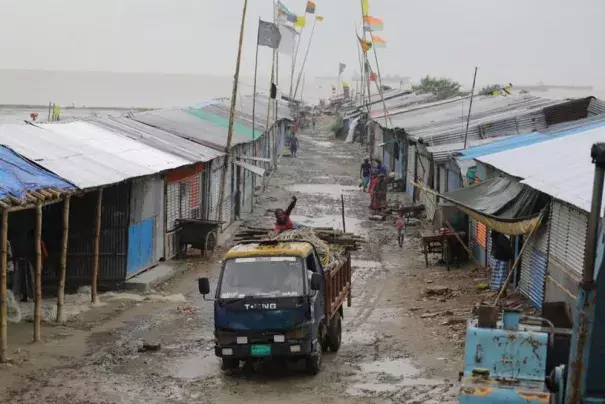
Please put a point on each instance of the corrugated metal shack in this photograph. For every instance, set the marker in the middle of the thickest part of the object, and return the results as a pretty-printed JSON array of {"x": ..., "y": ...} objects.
[
  {"x": 128, "y": 171},
  {"x": 425, "y": 131},
  {"x": 187, "y": 189},
  {"x": 561, "y": 168}
]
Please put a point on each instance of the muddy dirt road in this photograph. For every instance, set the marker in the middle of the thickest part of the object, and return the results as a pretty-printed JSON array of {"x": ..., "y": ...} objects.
[{"x": 390, "y": 354}]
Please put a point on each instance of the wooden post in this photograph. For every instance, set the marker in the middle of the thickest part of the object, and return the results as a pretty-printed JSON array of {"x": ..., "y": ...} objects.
[
  {"x": 95, "y": 253},
  {"x": 63, "y": 261},
  {"x": 3, "y": 292},
  {"x": 342, "y": 210},
  {"x": 38, "y": 275}
]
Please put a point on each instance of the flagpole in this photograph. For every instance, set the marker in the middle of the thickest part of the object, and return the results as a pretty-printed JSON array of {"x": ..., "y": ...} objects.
[
  {"x": 232, "y": 112},
  {"x": 305, "y": 59},
  {"x": 276, "y": 109},
  {"x": 387, "y": 117},
  {"x": 294, "y": 59},
  {"x": 255, "y": 75}
]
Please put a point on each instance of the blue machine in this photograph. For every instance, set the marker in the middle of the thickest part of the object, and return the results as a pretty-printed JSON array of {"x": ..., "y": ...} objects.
[{"x": 507, "y": 361}]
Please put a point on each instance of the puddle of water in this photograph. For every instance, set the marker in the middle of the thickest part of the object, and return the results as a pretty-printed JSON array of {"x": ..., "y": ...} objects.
[
  {"x": 323, "y": 189},
  {"x": 398, "y": 368},
  {"x": 323, "y": 143},
  {"x": 353, "y": 225},
  {"x": 195, "y": 367}
]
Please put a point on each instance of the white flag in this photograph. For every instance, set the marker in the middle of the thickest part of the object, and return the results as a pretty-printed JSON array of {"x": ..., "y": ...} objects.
[{"x": 288, "y": 39}]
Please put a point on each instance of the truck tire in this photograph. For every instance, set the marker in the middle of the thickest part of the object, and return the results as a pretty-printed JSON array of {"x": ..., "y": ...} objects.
[
  {"x": 335, "y": 333},
  {"x": 229, "y": 364},
  {"x": 313, "y": 361}
]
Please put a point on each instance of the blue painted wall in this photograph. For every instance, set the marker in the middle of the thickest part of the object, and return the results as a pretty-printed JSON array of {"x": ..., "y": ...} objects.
[{"x": 140, "y": 246}]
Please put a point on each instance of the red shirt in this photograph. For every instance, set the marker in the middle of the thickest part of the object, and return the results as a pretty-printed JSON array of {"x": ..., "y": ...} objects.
[{"x": 287, "y": 226}]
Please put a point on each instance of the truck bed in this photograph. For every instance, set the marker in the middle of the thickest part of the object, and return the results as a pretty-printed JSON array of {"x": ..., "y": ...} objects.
[{"x": 338, "y": 286}]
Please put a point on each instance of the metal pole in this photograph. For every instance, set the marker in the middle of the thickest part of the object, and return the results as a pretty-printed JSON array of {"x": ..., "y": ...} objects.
[
  {"x": 255, "y": 75},
  {"x": 470, "y": 107},
  {"x": 232, "y": 112},
  {"x": 305, "y": 59}
]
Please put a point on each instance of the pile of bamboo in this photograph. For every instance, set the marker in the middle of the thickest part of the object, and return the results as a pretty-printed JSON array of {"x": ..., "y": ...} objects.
[{"x": 331, "y": 236}]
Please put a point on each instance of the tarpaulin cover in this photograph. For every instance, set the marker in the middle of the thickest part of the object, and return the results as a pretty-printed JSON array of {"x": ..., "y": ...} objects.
[
  {"x": 502, "y": 204},
  {"x": 18, "y": 175}
]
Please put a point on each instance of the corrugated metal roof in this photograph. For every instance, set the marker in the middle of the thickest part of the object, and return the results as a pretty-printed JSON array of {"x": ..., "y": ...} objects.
[
  {"x": 440, "y": 153},
  {"x": 560, "y": 167},
  {"x": 159, "y": 139},
  {"x": 207, "y": 126},
  {"x": 501, "y": 145},
  {"x": 19, "y": 175},
  {"x": 85, "y": 154},
  {"x": 251, "y": 167},
  {"x": 395, "y": 104}
]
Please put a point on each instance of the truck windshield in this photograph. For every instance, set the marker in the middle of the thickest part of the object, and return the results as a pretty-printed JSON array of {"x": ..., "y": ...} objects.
[{"x": 262, "y": 277}]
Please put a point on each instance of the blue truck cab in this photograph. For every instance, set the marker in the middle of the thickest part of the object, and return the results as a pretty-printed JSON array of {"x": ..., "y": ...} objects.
[{"x": 275, "y": 299}]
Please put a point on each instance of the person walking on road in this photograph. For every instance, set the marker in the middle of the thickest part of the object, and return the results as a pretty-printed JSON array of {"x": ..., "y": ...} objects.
[
  {"x": 365, "y": 171},
  {"x": 400, "y": 225},
  {"x": 313, "y": 123},
  {"x": 293, "y": 144}
]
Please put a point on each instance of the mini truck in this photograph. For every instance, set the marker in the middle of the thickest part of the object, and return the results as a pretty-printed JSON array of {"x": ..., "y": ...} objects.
[{"x": 274, "y": 299}]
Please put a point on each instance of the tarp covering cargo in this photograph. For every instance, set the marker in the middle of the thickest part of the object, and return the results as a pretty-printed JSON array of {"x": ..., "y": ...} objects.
[{"x": 502, "y": 204}]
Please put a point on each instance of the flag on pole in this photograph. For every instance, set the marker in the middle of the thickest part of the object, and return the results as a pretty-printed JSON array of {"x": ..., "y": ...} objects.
[
  {"x": 341, "y": 68},
  {"x": 283, "y": 13},
  {"x": 300, "y": 22},
  {"x": 268, "y": 34},
  {"x": 288, "y": 39},
  {"x": 372, "y": 24},
  {"x": 365, "y": 7},
  {"x": 346, "y": 84},
  {"x": 378, "y": 42},
  {"x": 365, "y": 45},
  {"x": 373, "y": 76},
  {"x": 319, "y": 18},
  {"x": 310, "y": 7}
]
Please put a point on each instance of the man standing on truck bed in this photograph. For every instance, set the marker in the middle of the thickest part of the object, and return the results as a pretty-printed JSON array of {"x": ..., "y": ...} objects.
[{"x": 282, "y": 218}]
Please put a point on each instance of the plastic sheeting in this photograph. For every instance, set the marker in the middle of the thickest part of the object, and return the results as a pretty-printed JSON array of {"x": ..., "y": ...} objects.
[
  {"x": 502, "y": 204},
  {"x": 18, "y": 175},
  {"x": 351, "y": 133}
]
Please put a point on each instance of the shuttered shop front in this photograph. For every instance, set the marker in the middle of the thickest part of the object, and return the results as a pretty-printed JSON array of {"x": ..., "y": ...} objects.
[
  {"x": 566, "y": 247},
  {"x": 534, "y": 263}
]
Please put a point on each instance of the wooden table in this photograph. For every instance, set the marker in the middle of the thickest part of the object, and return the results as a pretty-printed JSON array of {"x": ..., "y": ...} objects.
[{"x": 446, "y": 244}]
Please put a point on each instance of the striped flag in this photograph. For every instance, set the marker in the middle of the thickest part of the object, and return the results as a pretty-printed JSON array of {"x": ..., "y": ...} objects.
[
  {"x": 310, "y": 7},
  {"x": 378, "y": 42},
  {"x": 372, "y": 24}
]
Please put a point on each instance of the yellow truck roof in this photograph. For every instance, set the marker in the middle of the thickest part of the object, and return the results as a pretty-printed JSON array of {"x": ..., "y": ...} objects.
[{"x": 288, "y": 248}]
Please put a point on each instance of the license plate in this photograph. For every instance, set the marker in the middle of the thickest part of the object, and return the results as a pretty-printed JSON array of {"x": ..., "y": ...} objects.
[{"x": 260, "y": 350}]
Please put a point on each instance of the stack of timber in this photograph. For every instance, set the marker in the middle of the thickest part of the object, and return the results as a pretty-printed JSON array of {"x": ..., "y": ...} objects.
[{"x": 331, "y": 244}]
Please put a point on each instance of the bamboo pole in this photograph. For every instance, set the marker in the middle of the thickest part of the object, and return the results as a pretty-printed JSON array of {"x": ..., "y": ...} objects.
[
  {"x": 302, "y": 68},
  {"x": 232, "y": 113},
  {"x": 38, "y": 276},
  {"x": 63, "y": 261},
  {"x": 3, "y": 291},
  {"x": 96, "y": 247}
]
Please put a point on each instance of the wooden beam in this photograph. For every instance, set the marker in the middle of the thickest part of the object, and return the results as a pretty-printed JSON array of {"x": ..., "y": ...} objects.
[
  {"x": 4, "y": 205},
  {"x": 16, "y": 200},
  {"x": 3, "y": 291},
  {"x": 46, "y": 194},
  {"x": 96, "y": 240},
  {"x": 63, "y": 260},
  {"x": 38, "y": 195},
  {"x": 38, "y": 276},
  {"x": 54, "y": 193}
]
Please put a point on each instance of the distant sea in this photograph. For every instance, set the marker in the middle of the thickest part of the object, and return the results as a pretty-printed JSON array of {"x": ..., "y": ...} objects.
[{"x": 128, "y": 90}]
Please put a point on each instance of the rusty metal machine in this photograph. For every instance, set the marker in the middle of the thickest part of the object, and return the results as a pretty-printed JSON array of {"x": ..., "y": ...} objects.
[{"x": 514, "y": 360}]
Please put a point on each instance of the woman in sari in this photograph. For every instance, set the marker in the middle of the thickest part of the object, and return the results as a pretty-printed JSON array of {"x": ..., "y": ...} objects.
[{"x": 379, "y": 193}]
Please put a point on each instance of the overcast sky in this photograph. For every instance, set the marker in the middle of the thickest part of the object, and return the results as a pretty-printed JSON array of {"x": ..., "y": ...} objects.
[{"x": 518, "y": 41}]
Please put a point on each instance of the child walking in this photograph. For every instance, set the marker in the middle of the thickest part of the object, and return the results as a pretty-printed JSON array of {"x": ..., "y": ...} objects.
[{"x": 400, "y": 225}]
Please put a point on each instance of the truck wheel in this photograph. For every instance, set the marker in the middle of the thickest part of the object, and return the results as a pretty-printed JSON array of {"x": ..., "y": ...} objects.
[
  {"x": 314, "y": 360},
  {"x": 335, "y": 333},
  {"x": 229, "y": 364}
]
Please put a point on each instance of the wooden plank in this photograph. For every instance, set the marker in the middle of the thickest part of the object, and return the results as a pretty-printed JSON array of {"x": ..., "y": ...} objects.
[
  {"x": 38, "y": 276},
  {"x": 63, "y": 260},
  {"x": 3, "y": 290}
]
